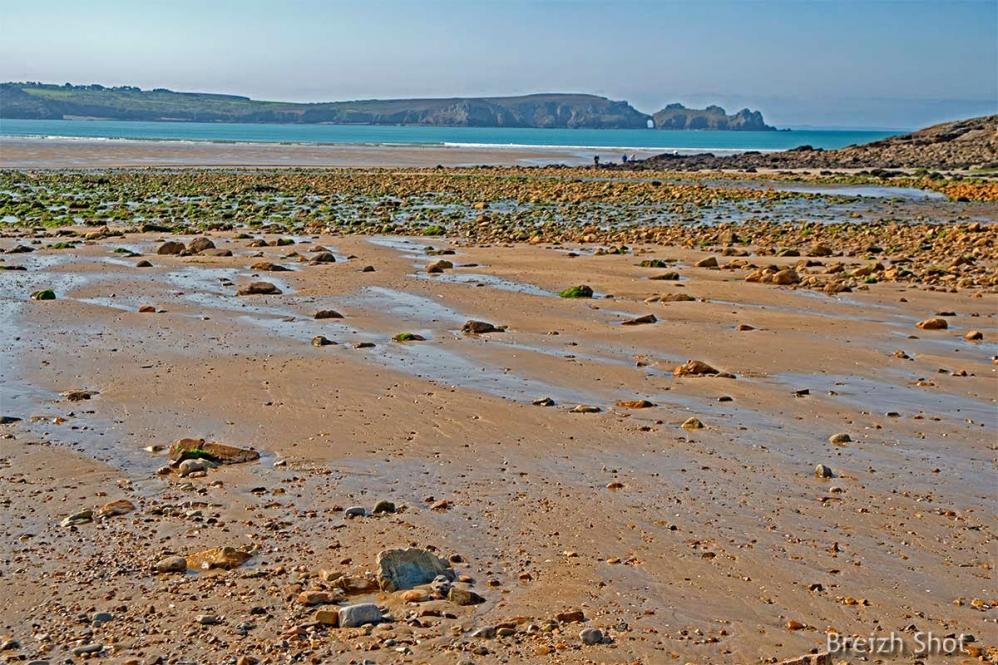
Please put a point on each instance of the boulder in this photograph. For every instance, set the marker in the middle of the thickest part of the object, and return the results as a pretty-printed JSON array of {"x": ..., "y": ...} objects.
[
  {"x": 709, "y": 262},
  {"x": 199, "y": 244},
  {"x": 171, "y": 247},
  {"x": 400, "y": 569},
  {"x": 219, "y": 453}
]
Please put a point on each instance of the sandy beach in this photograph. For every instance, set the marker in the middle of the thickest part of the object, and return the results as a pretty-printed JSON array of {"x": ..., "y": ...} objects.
[
  {"x": 18, "y": 152},
  {"x": 824, "y": 467}
]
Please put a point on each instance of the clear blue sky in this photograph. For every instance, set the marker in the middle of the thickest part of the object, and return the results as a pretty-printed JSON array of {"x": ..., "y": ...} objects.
[{"x": 872, "y": 63}]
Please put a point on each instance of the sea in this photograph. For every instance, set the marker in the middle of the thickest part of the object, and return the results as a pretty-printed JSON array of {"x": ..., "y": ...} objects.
[{"x": 623, "y": 140}]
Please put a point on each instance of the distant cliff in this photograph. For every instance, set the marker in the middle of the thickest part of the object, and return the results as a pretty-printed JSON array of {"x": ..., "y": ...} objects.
[
  {"x": 677, "y": 116},
  {"x": 35, "y": 100}
]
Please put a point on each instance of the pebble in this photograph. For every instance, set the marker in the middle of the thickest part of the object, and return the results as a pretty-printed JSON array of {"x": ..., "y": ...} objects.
[
  {"x": 208, "y": 619},
  {"x": 591, "y": 636},
  {"x": 839, "y": 438}
]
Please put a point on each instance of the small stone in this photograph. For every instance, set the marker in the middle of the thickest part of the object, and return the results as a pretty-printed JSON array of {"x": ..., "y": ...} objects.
[
  {"x": 309, "y": 598},
  {"x": 258, "y": 288},
  {"x": 225, "y": 558},
  {"x": 328, "y": 314},
  {"x": 191, "y": 466},
  {"x": 171, "y": 247},
  {"x": 585, "y": 408},
  {"x": 199, "y": 245},
  {"x": 933, "y": 324},
  {"x": 87, "y": 649},
  {"x": 320, "y": 340},
  {"x": 570, "y": 616},
  {"x": 822, "y": 471},
  {"x": 328, "y": 617},
  {"x": 543, "y": 401},
  {"x": 580, "y": 291},
  {"x": 439, "y": 266},
  {"x": 591, "y": 636},
  {"x": 415, "y": 596},
  {"x": 709, "y": 262},
  {"x": 408, "y": 337},
  {"x": 101, "y": 618},
  {"x": 973, "y": 335},
  {"x": 641, "y": 320},
  {"x": 694, "y": 368},
  {"x": 208, "y": 619},
  {"x": 692, "y": 423},
  {"x": 635, "y": 404},
  {"x": 352, "y": 616},
  {"x": 479, "y": 328},
  {"x": 461, "y": 595},
  {"x": 839, "y": 439},
  {"x": 172, "y": 564},
  {"x": 485, "y": 633},
  {"x": 81, "y": 517},
  {"x": 355, "y": 511},
  {"x": 114, "y": 508},
  {"x": 322, "y": 257},
  {"x": 383, "y": 506}
]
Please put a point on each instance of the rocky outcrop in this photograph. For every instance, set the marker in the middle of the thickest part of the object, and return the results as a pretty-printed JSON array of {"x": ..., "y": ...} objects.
[
  {"x": 677, "y": 116},
  {"x": 959, "y": 144}
]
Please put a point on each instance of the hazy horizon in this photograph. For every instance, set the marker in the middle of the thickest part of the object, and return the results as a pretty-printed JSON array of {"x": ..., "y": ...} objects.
[{"x": 896, "y": 65}]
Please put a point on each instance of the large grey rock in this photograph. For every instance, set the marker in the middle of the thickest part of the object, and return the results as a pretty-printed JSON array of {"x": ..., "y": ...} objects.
[
  {"x": 407, "y": 568},
  {"x": 352, "y": 616}
]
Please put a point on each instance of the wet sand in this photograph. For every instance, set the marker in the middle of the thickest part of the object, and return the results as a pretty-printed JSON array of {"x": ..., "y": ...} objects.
[
  {"x": 712, "y": 545},
  {"x": 77, "y": 153}
]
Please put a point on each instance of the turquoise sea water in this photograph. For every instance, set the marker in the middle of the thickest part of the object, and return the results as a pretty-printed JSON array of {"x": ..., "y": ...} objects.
[{"x": 623, "y": 139}]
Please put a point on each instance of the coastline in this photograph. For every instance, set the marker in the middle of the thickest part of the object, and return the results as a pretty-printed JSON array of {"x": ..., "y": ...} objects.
[{"x": 95, "y": 152}]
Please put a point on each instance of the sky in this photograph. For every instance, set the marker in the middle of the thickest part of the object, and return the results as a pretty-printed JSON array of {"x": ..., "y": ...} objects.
[{"x": 896, "y": 64}]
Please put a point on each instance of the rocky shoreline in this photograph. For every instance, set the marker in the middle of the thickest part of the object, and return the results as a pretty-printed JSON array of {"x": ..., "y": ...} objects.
[{"x": 962, "y": 144}]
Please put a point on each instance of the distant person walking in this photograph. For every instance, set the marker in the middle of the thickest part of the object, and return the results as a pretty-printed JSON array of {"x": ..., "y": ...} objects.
[
  {"x": 596, "y": 161},
  {"x": 623, "y": 158}
]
